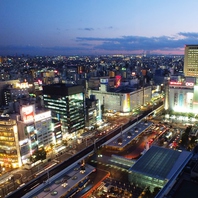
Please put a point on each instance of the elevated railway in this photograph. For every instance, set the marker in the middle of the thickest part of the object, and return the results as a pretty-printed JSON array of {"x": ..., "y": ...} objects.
[{"x": 59, "y": 167}]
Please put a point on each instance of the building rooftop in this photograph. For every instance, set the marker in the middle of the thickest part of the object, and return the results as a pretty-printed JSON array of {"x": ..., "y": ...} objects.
[
  {"x": 160, "y": 162},
  {"x": 56, "y": 187},
  {"x": 130, "y": 134}
]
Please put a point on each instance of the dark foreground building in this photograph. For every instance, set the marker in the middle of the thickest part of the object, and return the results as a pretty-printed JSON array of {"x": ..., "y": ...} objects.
[{"x": 67, "y": 105}]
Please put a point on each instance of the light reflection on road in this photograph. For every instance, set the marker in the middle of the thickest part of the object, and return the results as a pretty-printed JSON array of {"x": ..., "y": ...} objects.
[{"x": 135, "y": 151}]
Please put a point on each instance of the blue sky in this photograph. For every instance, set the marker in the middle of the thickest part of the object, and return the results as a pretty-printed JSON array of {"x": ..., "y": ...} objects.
[{"x": 84, "y": 27}]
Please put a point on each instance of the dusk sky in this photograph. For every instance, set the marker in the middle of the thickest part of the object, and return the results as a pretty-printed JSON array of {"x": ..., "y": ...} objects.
[{"x": 91, "y": 27}]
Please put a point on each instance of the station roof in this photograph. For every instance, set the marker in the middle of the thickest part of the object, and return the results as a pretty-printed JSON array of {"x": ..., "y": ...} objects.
[
  {"x": 160, "y": 163},
  {"x": 73, "y": 176},
  {"x": 129, "y": 134}
]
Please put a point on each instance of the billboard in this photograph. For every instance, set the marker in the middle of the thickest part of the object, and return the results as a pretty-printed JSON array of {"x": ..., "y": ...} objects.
[
  {"x": 126, "y": 102},
  {"x": 27, "y": 113},
  {"x": 104, "y": 80},
  {"x": 195, "y": 99},
  {"x": 117, "y": 80},
  {"x": 42, "y": 116}
]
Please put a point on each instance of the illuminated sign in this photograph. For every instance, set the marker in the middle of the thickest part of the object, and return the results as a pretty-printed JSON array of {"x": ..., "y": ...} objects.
[
  {"x": 40, "y": 82},
  {"x": 27, "y": 113},
  {"x": 104, "y": 80},
  {"x": 175, "y": 83},
  {"x": 126, "y": 102},
  {"x": 189, "y": 84},
  {"x": 117, "y": 80},
  {"x": 195, "y": 99},
  {"x": 22, "y": 85},
  {"x": 42, "y": 116}
]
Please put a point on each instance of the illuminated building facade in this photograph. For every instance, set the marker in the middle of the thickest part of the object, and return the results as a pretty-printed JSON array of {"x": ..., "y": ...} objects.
[
  {"x": 35, "y": 131},
  {"x": 191, "y": 60},
  {"x": 96, "y": 82},
  {"x": 66, "y": 103},
  {"x": 9, "y": 145},
  {"x": 183, "y": 96},
  {"x": 158, "y": 167},
  {"x": 11, "y": 94},
  {"x": 123, "y": 100},
  {"x": 93, "y": 111},
  {"x": 5, "y": 84}
]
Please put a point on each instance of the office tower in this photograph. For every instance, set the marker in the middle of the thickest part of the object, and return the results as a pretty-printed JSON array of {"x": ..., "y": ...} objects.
[
  {"x": 191, "y": 60},
  {"x": 66, "y": 102}
]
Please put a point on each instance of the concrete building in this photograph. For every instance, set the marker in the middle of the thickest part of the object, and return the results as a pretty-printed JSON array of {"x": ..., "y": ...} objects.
[
  {"x": 4, "y": 85},
  {"x": 123, "y": 99},
  {"x": 183, "y": 95},
  {"x": 93, "y": 111},
  {"x": 191, "y": 60},
  {"x": 35, "y": 130}
]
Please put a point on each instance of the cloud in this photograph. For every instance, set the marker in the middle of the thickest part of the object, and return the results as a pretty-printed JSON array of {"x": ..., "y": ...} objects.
[
  {"x": 110, "y": 27},
  {"x": 131, "y": 43},
  {"x": 189, "y": 34},
  {"x": 86, "y": 29},
  {"x": 38, "y": 50},
  {"x": 124, "y": 44}
]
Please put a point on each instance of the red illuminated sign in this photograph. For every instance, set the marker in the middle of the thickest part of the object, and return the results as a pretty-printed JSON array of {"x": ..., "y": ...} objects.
[
  {"x": 117, "y": 80},
  {"x": 27, "y": 113},
  {"x": 175, "y": 83},
  {"x": 189, "y": 84}
]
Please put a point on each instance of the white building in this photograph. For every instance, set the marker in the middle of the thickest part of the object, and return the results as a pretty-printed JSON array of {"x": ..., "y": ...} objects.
[
  {"x": 123, "y": 100},
  {"x": 183, "y": 96},
  {"x": 34, "y": 130}
]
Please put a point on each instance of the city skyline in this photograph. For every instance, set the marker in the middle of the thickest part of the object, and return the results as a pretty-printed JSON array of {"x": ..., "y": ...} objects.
[{"x": 97, "y": 27}]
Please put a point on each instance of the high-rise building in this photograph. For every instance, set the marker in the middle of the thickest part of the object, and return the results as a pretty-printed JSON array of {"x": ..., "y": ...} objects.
[
  {"x": 66, "y": 103},
  {"x": 191, "y": 60},
  {"x": 93, "y": 111},
  {"x": 34, "y": 130},
  {"x": 9, "y": 146}
]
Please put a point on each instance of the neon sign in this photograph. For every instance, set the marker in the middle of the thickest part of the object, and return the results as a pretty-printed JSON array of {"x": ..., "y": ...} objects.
[
  {"x": 175, "y": 83},
  {"x": 27, "y": 113},
  {"x": 189, "y": 84},
  {"x": 117, "y": 80}
]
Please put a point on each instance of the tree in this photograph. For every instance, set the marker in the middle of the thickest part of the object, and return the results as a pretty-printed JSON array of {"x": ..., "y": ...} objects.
[
  {"x": 184, "y": 139},
  {"x": 190, "y": 115},
  {"x": 156, "y": 191},
  {"x": 192, "y": 142},
  {"x": 147, "y": 193},
  {"x": 65, "y": 142},
  {"x": 188, "y": 130},
  {"x": 38, "y": 155},
  {"x": 52, "y": 146}
]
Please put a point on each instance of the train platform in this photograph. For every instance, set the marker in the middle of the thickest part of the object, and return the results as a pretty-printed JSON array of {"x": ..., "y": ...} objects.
[
  {"x": 126, "y": 136},
  {"x": 66, "y": 183}
]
